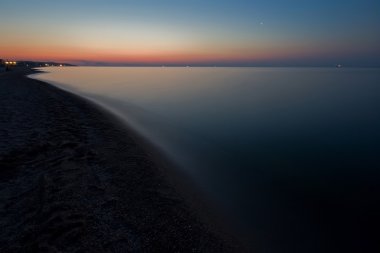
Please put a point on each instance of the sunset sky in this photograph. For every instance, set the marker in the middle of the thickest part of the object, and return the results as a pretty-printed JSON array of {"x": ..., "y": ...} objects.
[{"x": 140, "y": 32}]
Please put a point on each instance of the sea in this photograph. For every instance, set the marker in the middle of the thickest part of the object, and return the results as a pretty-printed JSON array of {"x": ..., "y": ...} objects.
[{"x": 290, "y": 155}]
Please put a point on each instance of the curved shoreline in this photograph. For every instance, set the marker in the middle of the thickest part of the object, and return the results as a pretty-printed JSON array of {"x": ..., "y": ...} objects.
[
  {"x": 64, "y": 177},
  {"x": 205, "y": 208}
]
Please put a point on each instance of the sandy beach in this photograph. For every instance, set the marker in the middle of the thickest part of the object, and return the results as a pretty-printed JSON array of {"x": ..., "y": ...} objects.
[{"x": 73, "y": 179}]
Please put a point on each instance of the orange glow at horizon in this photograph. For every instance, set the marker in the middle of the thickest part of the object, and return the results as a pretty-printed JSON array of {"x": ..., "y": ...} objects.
[
  {"x": 113, "y": 44},
  {"x": 72, "y": 54}
]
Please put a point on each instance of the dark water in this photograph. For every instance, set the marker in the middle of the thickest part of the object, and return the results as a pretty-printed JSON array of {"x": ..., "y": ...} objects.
[{"x": 291, "y": 154}]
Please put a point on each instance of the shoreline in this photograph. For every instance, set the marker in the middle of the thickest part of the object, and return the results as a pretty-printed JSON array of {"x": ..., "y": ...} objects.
[
  {"x": 72, "y": 171},
  {"x": 171, "y": 171},
  {"x": 205, "y": 208}
]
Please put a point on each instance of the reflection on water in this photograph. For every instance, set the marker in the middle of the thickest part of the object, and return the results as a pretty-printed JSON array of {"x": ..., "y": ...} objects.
[{"x": 292, "y": 153}]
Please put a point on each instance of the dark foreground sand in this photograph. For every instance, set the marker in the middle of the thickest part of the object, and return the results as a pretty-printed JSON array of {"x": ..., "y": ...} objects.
[{"x": 73, "y": 180}]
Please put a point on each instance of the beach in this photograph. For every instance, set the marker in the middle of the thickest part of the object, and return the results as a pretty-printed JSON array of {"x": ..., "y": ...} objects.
[{"x": 74, "y": 178}]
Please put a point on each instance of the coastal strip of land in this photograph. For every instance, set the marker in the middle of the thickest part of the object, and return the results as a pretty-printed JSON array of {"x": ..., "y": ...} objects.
[{"x": 72, "y": 179}]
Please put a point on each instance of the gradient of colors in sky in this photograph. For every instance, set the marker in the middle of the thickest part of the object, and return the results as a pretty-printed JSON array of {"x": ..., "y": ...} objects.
[{"x": 193, "y": 32}]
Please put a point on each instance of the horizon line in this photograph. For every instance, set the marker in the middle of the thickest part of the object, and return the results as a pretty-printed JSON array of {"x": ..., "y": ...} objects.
[{"x": 82, "y": 63}]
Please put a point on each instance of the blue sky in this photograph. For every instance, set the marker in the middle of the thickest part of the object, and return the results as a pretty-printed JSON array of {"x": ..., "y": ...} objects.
[{"x": 196, "y": 32}]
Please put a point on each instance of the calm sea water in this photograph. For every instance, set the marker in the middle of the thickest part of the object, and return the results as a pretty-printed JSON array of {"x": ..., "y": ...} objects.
[{"x": 293, "y": 154}]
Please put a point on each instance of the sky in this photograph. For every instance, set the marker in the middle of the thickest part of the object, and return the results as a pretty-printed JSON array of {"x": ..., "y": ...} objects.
[{"x": 192, "y": 32}]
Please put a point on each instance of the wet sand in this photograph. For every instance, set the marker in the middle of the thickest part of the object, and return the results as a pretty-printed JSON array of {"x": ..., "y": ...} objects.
[{"x": 74, "y": 179}]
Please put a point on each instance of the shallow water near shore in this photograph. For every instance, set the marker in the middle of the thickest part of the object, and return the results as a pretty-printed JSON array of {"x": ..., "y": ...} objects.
[{"x": 291, "y": 154}]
